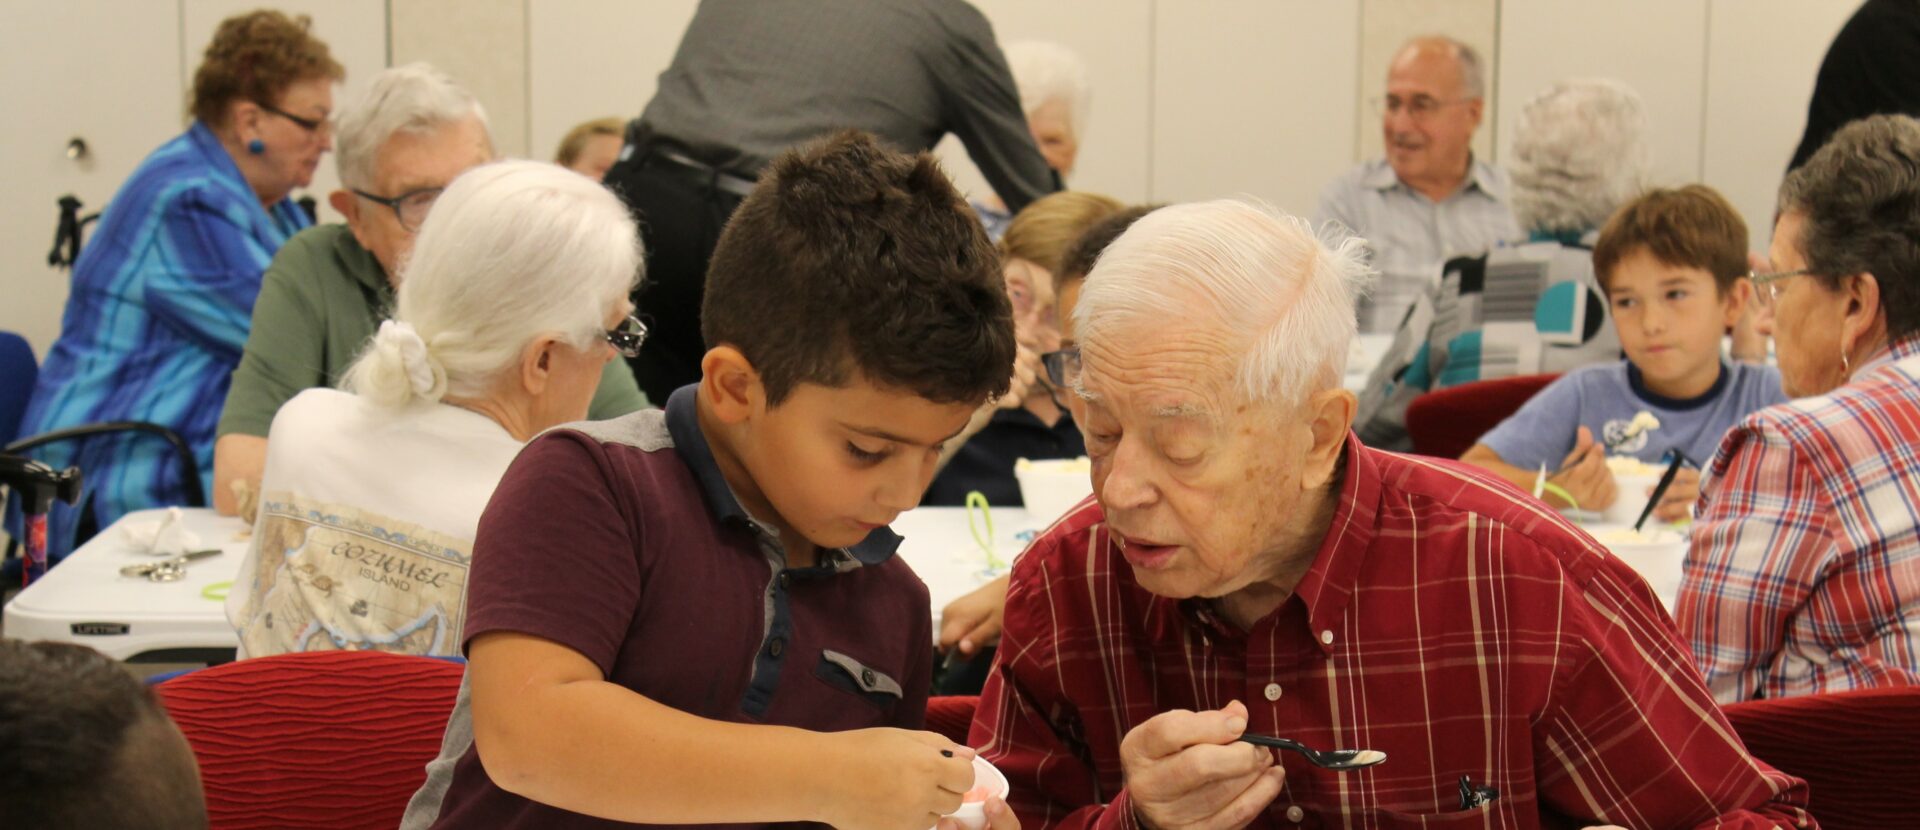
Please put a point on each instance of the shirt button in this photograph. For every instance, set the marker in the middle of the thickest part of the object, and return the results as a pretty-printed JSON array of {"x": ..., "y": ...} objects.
[
  {"x": 781, "y": 581},
  {"x": 1327, "y": 636},
  {"x": 1295, "y": 814},
  {"x": 778, "y": 645},
  {"x": 866, "y": 678},
  {"x": 1273, "y": 691}
]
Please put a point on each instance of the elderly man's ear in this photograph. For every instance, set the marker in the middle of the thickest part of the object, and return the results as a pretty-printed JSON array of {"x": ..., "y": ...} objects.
[{"x": 1329, "y": 414}]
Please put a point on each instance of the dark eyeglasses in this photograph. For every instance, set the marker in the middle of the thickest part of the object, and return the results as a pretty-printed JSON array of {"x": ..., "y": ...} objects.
[
  {"x": 312, "y": 125},
  {"x": 627, "y": 337},
  {"x": 410, "y": 207},
  {"x": 1063, "y": 366}
]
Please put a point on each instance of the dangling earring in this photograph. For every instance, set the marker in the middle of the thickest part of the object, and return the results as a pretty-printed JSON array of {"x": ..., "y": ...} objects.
[
  {"x": 257, "y": 147},
  {"x": 1846, "y": 365}
]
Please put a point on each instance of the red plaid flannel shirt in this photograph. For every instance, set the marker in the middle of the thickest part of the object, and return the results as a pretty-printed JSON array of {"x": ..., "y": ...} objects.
[
  {"x": 1805, "y": 571},
  {"x": 1447, "y": 620}
]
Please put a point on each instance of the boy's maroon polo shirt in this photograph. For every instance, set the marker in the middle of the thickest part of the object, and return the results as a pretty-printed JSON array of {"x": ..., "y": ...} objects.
[{"x": 620, "y": 540}]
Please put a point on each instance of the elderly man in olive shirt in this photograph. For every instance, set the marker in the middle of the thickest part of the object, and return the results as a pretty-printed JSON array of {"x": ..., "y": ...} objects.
[
  {"x": 328, "y": 288},
  {"x": 1429, "y": 198}
]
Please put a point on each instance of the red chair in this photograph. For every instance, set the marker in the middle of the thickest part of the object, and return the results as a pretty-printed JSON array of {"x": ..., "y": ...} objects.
[
  {"x": 1447, "y": 422},
  {"x": 330, "y": 739},
  {"x": 952, "y": 715},
  {"x": 1856, "y": 751}
]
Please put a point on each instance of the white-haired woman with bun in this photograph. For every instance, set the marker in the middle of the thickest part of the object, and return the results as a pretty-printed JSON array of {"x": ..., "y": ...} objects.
[{"x": 513, "y": 301}]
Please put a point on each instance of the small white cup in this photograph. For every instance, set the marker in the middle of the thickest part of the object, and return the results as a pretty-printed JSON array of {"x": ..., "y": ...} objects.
[
  {"x": 973, "y": 814},
  {"x": 1632, "y": 493},
  {"x": 1048, "y": 489}
]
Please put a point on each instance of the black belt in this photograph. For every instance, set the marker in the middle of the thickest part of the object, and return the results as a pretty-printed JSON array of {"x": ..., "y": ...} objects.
[{"x": 715, "y": 177}]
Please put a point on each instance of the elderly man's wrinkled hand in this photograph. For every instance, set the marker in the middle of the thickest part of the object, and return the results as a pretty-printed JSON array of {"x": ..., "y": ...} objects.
[
  {"x": 1584, "y": 474},
  {"x": 1185, "y": 771}
]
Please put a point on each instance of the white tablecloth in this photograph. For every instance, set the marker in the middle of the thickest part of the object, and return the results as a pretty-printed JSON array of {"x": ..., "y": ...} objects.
[{"x": 85, "y": 599}]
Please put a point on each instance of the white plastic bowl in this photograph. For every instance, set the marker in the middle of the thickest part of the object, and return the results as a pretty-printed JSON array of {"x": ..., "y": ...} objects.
[
  {"x": 1657, "y": 554},
  {"x": 973, "y": 814},
  {"x": 1048, "y": 489}
]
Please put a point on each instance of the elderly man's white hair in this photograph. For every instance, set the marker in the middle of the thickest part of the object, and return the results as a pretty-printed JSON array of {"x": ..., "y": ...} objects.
[
  {"x": 1044, "y": 71},
  {"x": 1259, "y": 275},
  {"x": 1578, "y": 154},
  {"x": 414, "y": 98}
]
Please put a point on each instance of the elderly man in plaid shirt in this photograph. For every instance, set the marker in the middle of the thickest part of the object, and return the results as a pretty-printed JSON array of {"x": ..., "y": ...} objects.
[{"x": 1247, "y": 566}]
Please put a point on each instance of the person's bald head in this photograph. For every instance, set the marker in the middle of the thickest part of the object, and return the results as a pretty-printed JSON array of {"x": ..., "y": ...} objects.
[{"x": 1435, "y": 99}]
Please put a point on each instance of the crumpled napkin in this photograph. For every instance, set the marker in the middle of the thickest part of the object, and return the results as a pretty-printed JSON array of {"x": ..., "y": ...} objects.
[{"x": 167, "y": 536}]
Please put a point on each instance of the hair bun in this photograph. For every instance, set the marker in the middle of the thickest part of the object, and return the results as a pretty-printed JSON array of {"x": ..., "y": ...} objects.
[{"x": 423, "y": 374}]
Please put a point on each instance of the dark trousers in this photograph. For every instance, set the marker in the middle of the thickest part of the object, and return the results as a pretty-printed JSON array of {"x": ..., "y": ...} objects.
[{"x": 680, "y": 214}]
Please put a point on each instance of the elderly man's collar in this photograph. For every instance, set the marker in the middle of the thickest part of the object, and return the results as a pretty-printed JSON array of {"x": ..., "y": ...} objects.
[{"x": 1480, "y": 176}]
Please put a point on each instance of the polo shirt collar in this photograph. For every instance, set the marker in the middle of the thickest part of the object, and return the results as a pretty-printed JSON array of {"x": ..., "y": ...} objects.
[
  {"x": 362, "y": 264},
  {"x": 1480, "y": 177},
  {"x": 683, "y": 423},
  {"x": 1329, "y": 583}
]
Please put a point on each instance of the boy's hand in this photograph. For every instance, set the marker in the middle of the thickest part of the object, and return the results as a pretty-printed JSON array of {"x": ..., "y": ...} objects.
[
  {"x": 1680, "y": 496},
  {"x": 893, "y": 779},
  {"x": 1584, "y": 473},
  {"x": 973, "y": 622},
  {"x": 1185, "y": 772}
]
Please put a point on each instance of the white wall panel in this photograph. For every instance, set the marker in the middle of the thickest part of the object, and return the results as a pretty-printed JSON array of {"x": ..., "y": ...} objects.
[
  {"x": 1656, "y": 46},
  {"x": 1254, "y": 96},
  {"x": 590, "y": 59},
  {"x": 1115, "y": 39},
  {"x": 103, "y": 71},
  {"x": 1762, "y": 56}
]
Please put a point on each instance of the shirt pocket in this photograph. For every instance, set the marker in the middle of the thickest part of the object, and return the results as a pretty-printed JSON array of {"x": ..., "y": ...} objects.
[
  {"x": 1482, "y": 816},
  {"x": 848, "y": 674}
]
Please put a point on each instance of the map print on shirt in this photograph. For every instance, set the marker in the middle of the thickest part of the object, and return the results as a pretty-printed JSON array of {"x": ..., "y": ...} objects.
[{"x": 346, "y": 579}]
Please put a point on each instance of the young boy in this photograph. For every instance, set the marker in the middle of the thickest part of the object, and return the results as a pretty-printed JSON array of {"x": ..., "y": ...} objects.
[
  {"x": 1673, "y": 264},
  {"x": 695, "y": 616}
]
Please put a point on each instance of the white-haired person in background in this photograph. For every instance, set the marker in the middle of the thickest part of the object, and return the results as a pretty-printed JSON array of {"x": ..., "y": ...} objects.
[
  {"x": 514, "y": 301},
  {"x": 1428, "y": 198},
  {"x": 398, "y": 146},
  {"x": 1247, "y": 566},
  {"x": 1057, "y": 99},
  {"x": 1579, "y": 153}
]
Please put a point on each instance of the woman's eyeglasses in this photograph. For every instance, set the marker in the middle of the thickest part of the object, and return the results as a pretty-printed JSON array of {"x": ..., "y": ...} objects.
[{"x": 627, "y": 337}]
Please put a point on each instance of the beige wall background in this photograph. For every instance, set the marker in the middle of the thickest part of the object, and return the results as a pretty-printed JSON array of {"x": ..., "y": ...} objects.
[{"x": 1193, "y": 99}]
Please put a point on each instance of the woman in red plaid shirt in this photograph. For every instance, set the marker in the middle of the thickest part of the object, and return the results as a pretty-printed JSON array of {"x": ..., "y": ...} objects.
[
  {"x": 1246, "y": 565},
  {"x": 1805, "y": 571}
]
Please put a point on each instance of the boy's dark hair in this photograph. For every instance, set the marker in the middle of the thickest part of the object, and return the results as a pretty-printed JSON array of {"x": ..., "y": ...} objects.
[
  {"x": 1078, "y": 261},
  {"x": 83, "y": 744},
  {"x": 1687, "y": 227},
  {"x": 1860, "y": 194},
  {"x": 850, "y": 258}
]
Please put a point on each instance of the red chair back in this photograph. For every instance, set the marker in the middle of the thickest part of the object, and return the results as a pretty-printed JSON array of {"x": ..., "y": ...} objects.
[
  {"x": 1447, "y": 422},
  {"x": 952, "y": 716},
  {"x": 329, "y": 739},
  {"x": 1856, "y": 751}
]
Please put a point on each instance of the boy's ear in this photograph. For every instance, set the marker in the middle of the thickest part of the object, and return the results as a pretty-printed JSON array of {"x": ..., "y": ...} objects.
[
  {"x": 731, "y": 385},
  {"x": 1735, "y": 301}
]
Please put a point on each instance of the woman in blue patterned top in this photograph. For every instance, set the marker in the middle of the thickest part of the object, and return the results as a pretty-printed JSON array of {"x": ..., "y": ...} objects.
[{"x": 163, "y": 294}]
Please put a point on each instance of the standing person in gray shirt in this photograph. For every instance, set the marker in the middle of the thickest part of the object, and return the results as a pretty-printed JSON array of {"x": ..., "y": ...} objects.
[
  {"x": 1429, "y": 198},
  {"x": 753, "y": 78}
]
